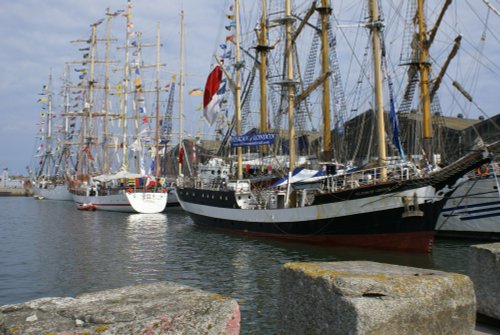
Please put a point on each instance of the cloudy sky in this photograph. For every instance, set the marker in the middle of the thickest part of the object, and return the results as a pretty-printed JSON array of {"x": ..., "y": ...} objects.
[{"x": 36, "y": 39}]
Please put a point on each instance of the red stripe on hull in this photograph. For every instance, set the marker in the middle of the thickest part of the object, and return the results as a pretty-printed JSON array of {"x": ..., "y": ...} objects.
[{"x": 413, "y": 241}]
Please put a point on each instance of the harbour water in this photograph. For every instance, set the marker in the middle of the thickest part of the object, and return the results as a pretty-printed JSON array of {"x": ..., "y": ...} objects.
[{"x": 48, "y": 248}]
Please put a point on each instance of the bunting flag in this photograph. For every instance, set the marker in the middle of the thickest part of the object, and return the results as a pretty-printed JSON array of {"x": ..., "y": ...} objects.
[
  {"x": 230, "y": 38},
  {"x": 211, "y": 97},
  {"x": 230, "y": 16},
  {"x": 223, "y": 46},
  {"x": 196, "y": 91},
  {"x": 138, "y": 84},
  {"x": 43, "y": 99},
  {"x": 231, "y": 25},
  {"x": 45, "y": 88}
]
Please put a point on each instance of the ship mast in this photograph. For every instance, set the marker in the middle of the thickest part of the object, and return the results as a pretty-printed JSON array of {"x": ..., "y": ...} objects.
[
  {"x": 181, "y": 90},
  {"x": 157, "y": 121},
  {"x": 376, "y": 26},
  {"x": 263, "y": 49},
  {"x": 125, "y": 87},
  {"x": 48, "y": 136},
  {"x": 238, "y": 86},
  {"x": 106, "y": 95},
  {"x": 135, "y": 106},
  {"x": 325, "y": 10},
  {"x": 290, "y": 96},
  {"x": 424, "y": 79}
]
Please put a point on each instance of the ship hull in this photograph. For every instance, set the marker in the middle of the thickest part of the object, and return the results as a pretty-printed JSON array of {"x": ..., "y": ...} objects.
[
  {"x": 58, "y": 192},
  {"x": 133, "y": 202},
  {"x": 473, "y": 210},
  {"x": 111, "y": 203},
  {"x": 365, "y": 221}
]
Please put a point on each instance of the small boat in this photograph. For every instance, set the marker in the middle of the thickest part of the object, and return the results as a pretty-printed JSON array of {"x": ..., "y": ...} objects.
[{"x": 87, "y": 207}]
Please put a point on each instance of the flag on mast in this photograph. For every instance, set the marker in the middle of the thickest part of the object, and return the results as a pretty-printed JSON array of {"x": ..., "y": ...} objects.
[{"x": 211, "y": 97}]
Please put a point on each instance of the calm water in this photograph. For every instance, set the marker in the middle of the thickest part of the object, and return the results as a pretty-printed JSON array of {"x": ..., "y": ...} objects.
[{"x": 48, "y": 248}]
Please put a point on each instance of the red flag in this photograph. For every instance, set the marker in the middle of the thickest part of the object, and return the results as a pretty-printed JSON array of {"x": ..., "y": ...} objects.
[
  {"x": 181, "y": 155},
  {"x": 210, "y": 98}
]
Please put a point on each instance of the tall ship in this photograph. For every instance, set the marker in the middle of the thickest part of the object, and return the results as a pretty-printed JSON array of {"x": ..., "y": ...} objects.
[
  {"x": 118, "y": 139},
  {"x": 390, "y": 202},
  {"x": 51, "y": 157}
]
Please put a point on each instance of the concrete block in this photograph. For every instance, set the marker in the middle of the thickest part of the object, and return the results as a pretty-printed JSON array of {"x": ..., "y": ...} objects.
[
  {"x": 159, "y": 308},
  {"x": 360, "y": 297},
  {"x": 484, "y": 270}
]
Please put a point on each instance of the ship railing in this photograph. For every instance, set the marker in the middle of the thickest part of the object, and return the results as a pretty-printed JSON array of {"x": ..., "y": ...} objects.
[{"x": 370, "y": 177}]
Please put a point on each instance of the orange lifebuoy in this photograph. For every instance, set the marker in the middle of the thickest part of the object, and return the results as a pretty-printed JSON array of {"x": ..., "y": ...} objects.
[
  {"x": 130, "y": 190},
  {"x": 483, "y": 170}
]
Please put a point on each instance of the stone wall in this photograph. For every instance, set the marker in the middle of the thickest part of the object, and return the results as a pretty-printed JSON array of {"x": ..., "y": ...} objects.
[
  {"x": 160, "y": 308},
  {"x": 362, "y": 297},
  {"x": 484, "y": 270}
]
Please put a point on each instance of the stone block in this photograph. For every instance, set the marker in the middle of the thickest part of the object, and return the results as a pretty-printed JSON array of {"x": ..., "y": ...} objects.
[
  {"x": 360, "y": 297},
  {"x": 159, "y": 308},
  {"x": 484, "y": 270}
]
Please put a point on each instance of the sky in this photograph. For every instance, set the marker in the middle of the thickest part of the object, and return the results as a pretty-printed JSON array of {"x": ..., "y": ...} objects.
[{"x": 36, "y": 39}]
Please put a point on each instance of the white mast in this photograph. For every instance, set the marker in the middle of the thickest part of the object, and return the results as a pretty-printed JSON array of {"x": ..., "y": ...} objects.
[
  {"x": 181, "y": 90},
  {"x": 125, "y": 87},
  {"x": 48, "y": 130},
  {"x": 157, "y": 121},
  {"x": 238, "y": 86}
]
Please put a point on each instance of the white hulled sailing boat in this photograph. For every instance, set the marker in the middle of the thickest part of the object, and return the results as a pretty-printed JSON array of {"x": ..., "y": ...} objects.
[
  {"x": 392, "y": 206},
  {"x": 122, "y": 191}
]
